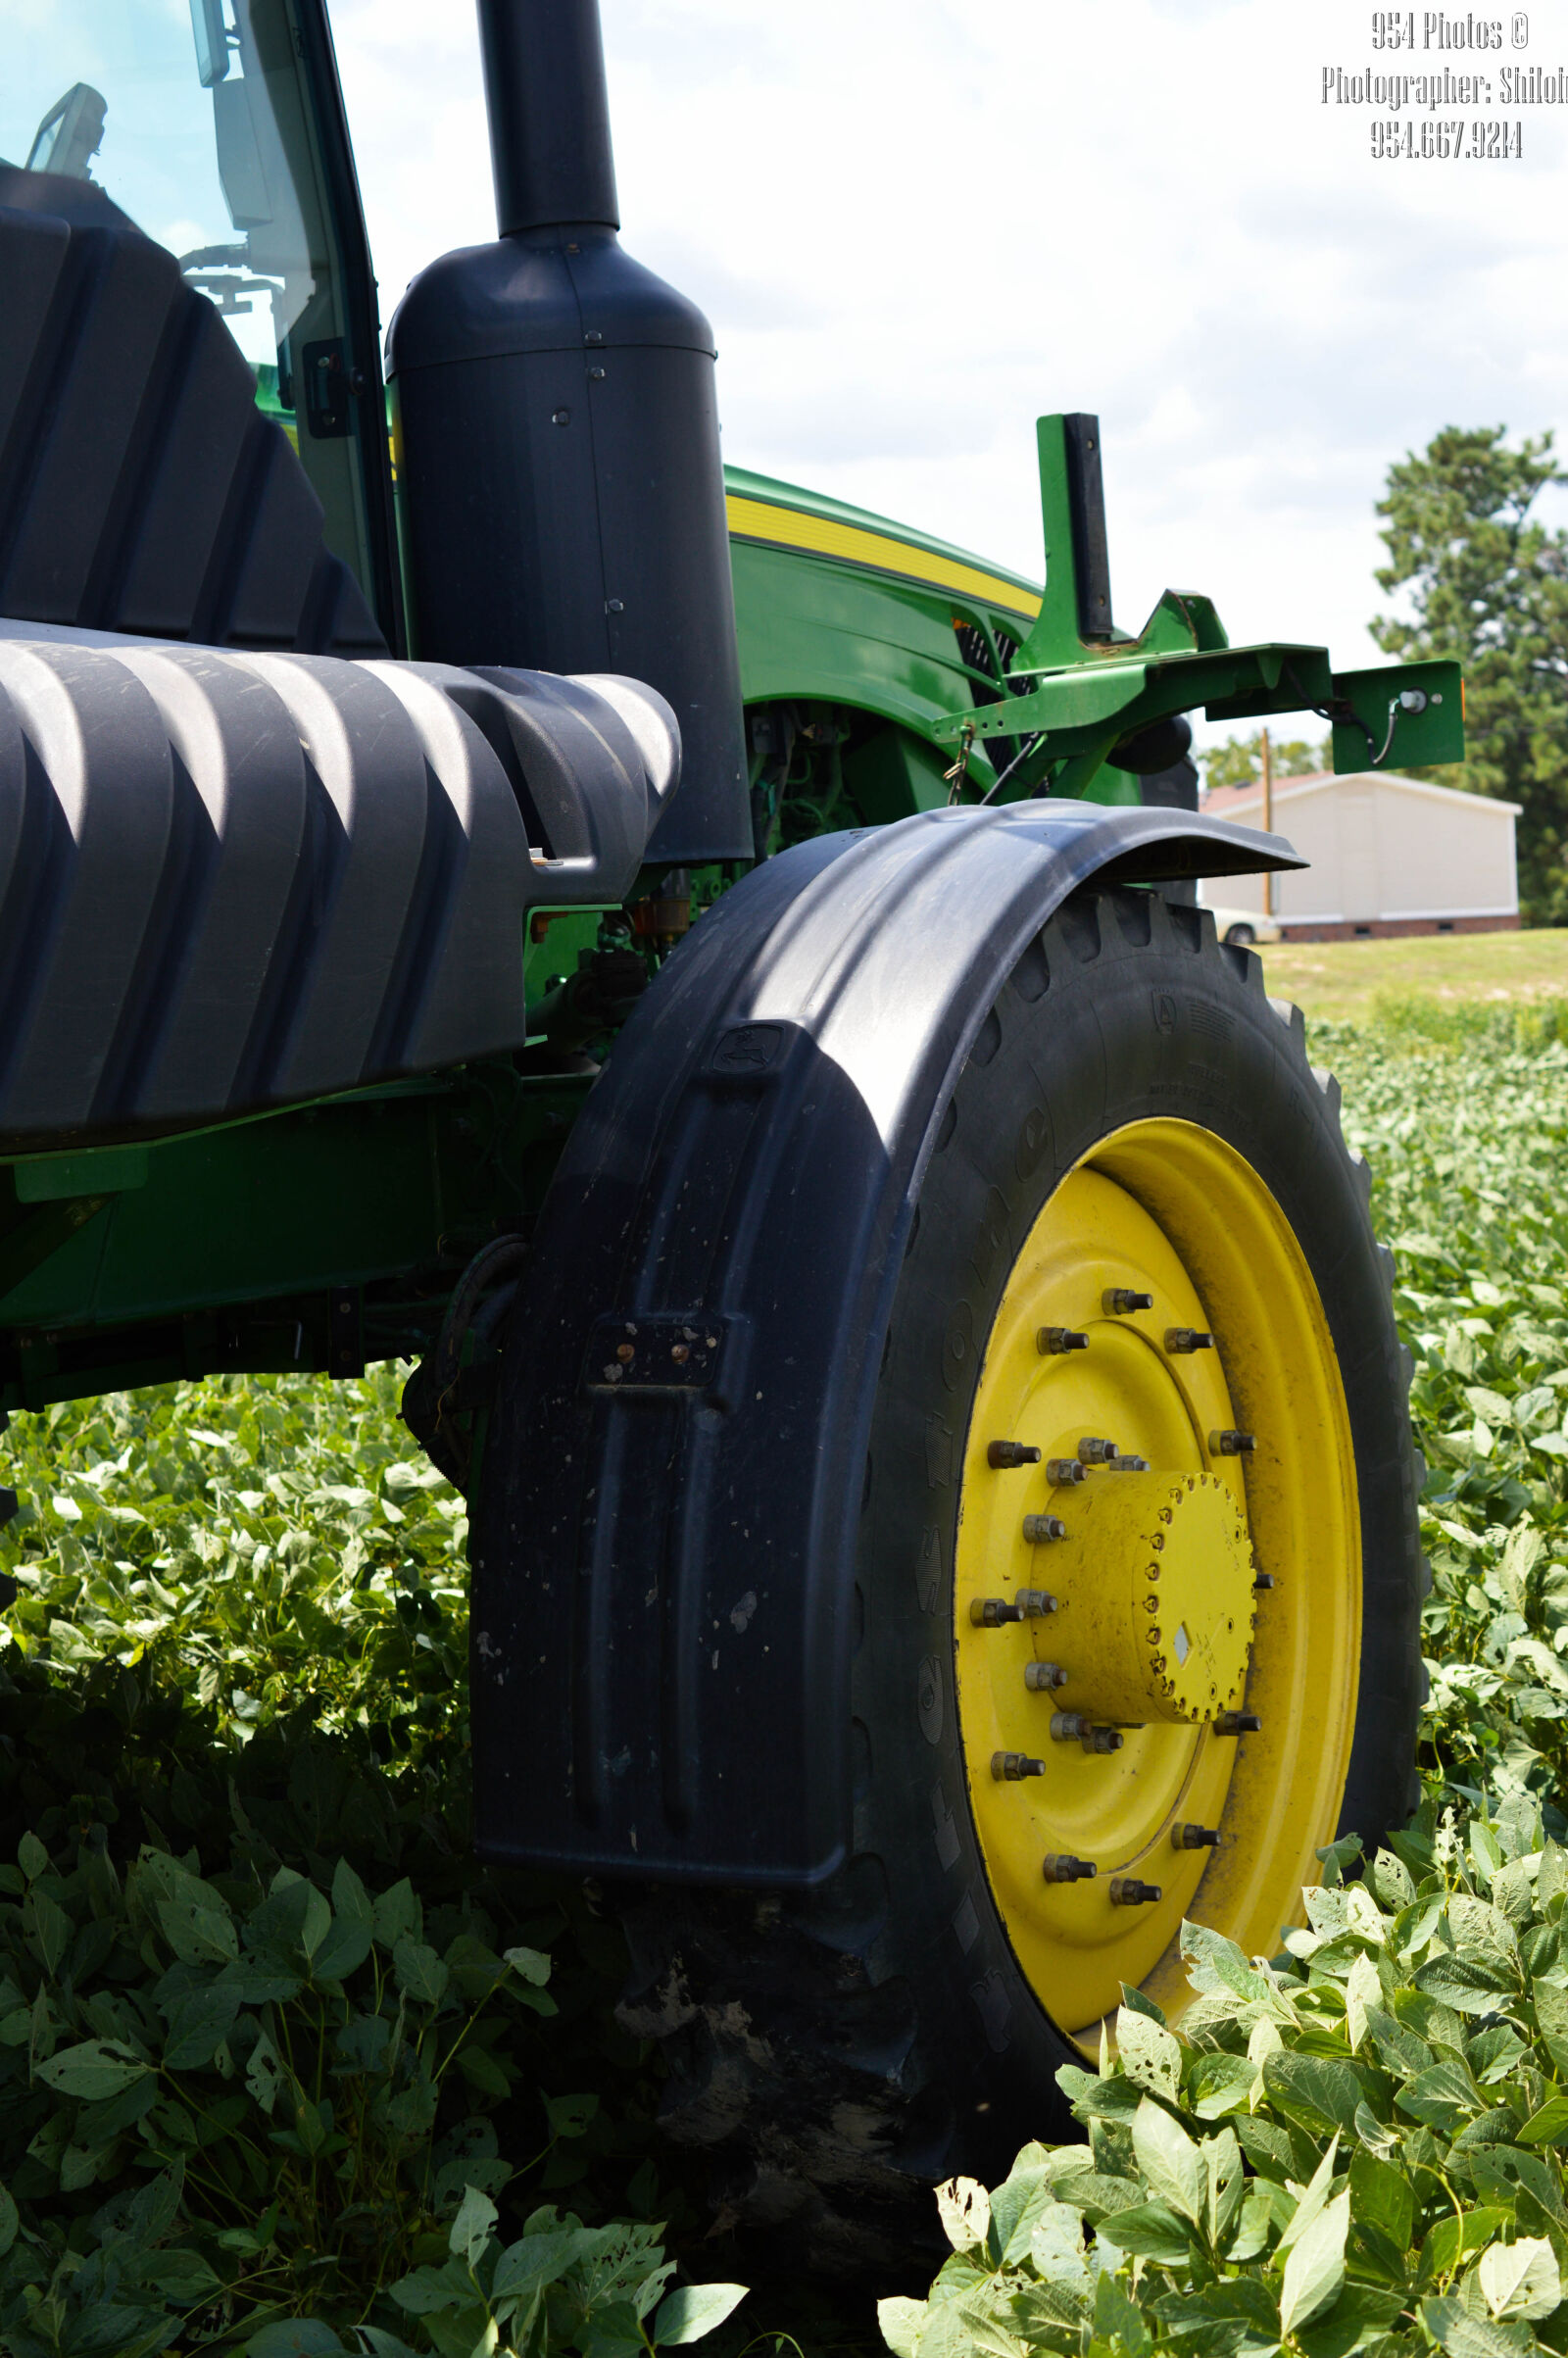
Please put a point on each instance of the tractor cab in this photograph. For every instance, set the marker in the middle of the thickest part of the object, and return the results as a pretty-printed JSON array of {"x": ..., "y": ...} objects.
[{"x": 220, "y": 134}]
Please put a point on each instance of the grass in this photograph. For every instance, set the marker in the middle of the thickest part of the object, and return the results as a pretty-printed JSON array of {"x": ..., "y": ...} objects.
[
  {"x": 237, "y": 1654},
  {"x": 1360, "y": 982}
]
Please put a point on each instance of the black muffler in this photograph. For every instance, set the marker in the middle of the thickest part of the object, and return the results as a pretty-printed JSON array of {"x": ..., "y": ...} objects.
[{"x": 557, "y": 434}]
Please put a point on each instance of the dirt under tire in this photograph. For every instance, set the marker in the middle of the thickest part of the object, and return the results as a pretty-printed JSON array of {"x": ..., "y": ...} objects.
[{"x": 836, "y": 2051}]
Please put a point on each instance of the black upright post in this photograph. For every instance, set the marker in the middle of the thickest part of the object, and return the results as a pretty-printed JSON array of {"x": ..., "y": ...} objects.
[{"x": 556, "y": 426}]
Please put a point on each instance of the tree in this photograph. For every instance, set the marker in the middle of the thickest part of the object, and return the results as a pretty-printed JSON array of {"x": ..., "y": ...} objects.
[
  {"x": 1487, "y": 584},
  {"x": 1239, "y": 762}
]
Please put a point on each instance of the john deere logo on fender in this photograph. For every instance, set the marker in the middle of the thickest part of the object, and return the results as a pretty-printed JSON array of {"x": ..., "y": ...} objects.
[{"x": 749, "y": 1047}]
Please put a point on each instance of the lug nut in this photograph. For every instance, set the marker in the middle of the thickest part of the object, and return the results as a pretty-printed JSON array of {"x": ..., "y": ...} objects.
[
  {"x": 1094, "y": 1452},
  {"x": 1037, "y": 1529},
  {"x": 1126, "y": 1891},
  {"x": 1042, "y": 1677},
  {"x": 1010, "y": 1766},
  {"x": 1181, "y": 1339},
  {"x": 1071, "y": 1727},
  {"x": 1063, "y": 1469},
  {"x": 1056, "y": 1868},
  {"x": 1120, "y": 1301},
  {"x": 1194, "y": 1838},
  {"x": 1061, "y": 1338},
  {"x": 1231, "y": 1444},
  {"x": 1236, "y": 1723},
  {"x": 1011, "y": 1453},
  {"x": 1126, "y": 1466},
  {"x": 989, "y": 1612},
  {"x": 1265, "y": 1580}
]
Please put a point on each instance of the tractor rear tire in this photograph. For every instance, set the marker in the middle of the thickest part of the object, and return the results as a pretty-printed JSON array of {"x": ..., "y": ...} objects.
[{"x": 1133, "y": 1105}]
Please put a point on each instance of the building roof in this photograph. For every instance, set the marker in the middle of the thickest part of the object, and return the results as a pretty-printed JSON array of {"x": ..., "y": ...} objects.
[{"x": 1231, "y": 800}]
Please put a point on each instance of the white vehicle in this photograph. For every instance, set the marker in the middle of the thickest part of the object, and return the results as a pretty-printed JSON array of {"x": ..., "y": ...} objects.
[{"x": 1244, "y": 925}]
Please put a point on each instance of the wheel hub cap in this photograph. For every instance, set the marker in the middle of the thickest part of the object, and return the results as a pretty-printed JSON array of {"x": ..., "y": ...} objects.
[{"x": 1156, "y": 1613}]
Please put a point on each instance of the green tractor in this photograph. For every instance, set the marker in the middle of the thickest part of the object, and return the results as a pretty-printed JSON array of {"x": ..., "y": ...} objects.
[{"x": 713, "y": 978}]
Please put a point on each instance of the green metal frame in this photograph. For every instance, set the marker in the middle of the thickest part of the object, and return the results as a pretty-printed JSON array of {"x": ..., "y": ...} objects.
[{"x": 321, "y": 1236}]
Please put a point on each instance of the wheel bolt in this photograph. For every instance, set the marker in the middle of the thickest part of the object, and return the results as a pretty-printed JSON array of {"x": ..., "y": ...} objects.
[
  {"x": 1063, "y": 1469},
  {"x": 1265, "y": 1580},
  {"x": 1056, "y": 1868},
  {"x": 1011, "y": 1766},
  {"x": 1126, "y": 1466},
  {"x": 1180, "y": 1338},
  {"x": 1236, "y": 1723},
  {"x": 1126, "y": 1891},
  {"x": 1061, "y": 1338},
  {"x": 1231, "y": 1444},
  {"x": 1071, "y": 1727},
  {"x": 1194, "y": 1838},
  {"x": 1039, "y": 1528},
  {"x": 1042, "y": 1677},
  {"x": 989, "y": 1612},
  {"x": 1011, "y": 1453},
  {"x": 1094, "y": 1452},
  {"x": 1120, "y": 1301}
]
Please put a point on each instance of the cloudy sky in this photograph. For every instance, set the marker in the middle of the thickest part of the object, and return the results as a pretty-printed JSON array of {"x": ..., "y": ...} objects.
[{"x": 917, "y": 223}]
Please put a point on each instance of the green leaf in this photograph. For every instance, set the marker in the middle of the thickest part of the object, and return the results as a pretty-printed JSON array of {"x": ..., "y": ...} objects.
[
  {"x": 197, "y": 1930},
  {"x": 569, "y": 2116},
  {"x": 1315, "y": 2268},
  {"x": 181, "y": 2276},
  {"x": 1356, "y": 2321},
  {"x": 1216, "y": 1967},
  {"x": 426, "y": 2290},
  {"x": 350, "y": 1897},
  {"x": 1148, "y": 2053},
  {"x": 530, "y": 1963},
  {"x": 1152, "y": 2232},
  {"x": 1382, "y": 2197},
  {"x": 344, "y": 1949},
  {"x": 1455, "y": 2238},
  {"x": 198, "y": 2025},
  {"x": 539, "y": 2260},
  {"x": 300, "y": 2337},
  {"x": 1055, "y": 2246},
  {"x": 1221, "y": 2083},
  {"x": 31, "y": 1856},
  {"x": 1470, "y": 1984},
  {"x": 7, "y": 2221},
  {"x": 1314, "y": 2090},
  {"x": 1548, "y": 2126},
  {"x": 693, "y": 2310},
  {"x": 1520, "y": 2280},
  {"x": 96, "y": 2068},
  {"x": 473, "y": 2224},
  {"x": 397, "y": 1915},
  {"x": 1118, "y": 2318},
  {"x": 1460, "y": 2333},
  {"x": 418, "y": 1972},
  {"x": 900, "y": 2321},
  {"x": 1171, "y": 2163}
]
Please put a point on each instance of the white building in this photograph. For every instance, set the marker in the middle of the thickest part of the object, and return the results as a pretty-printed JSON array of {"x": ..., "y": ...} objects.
[{"x": 1388, "y": 855}]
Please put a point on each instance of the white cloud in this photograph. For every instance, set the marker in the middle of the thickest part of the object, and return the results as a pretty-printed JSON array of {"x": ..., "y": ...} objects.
[{"x": 916, "y": 226}]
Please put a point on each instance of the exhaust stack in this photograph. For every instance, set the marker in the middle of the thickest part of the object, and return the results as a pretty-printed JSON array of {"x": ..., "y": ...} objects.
[
  {"x": 549, "y": 113},
  {"x": 556, "y": 429}
]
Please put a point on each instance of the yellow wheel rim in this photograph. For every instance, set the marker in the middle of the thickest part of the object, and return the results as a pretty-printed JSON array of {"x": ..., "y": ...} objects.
[{"x": 1157, "y": 1567}]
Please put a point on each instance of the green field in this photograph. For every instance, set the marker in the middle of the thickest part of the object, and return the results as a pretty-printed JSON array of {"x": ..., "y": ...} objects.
[
  {"x": 1344, "y": 981},
  {"x": 284, "y": 2072}
]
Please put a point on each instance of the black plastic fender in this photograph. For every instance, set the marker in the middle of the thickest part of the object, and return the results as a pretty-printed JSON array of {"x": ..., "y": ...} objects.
[{"x": 665, "y": 1532}]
